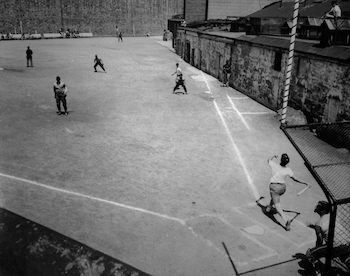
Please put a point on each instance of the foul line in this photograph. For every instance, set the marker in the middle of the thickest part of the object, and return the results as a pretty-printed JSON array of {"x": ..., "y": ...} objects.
[
  {"x": 235, "y": 147},
  {"x": 239, "y": 98},
  {"x": 256, "y": 113},
  {"x": 239, "y": 114},
  {"x": 93, "y": 198}
]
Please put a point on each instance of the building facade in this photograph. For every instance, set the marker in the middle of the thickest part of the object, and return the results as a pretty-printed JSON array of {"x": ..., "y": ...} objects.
[{"x": 133, "y": 17}]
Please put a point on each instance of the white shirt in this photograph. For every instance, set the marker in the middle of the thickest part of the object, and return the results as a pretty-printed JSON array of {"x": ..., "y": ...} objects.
[
  {"x": 279, "y": 173},
  {"x": 335, "y": 11},
  {"x": 61, "y": 88},
  {"x": 178, "y": 71},
  {"x": 323, "y": 222}
]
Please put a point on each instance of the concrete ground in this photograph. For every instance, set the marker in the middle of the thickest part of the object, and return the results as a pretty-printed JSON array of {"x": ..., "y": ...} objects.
[{"x": 156, "y": 180}]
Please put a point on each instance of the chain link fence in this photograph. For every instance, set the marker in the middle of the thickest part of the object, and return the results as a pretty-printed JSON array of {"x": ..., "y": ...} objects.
[{"x": 325, "y": 150}]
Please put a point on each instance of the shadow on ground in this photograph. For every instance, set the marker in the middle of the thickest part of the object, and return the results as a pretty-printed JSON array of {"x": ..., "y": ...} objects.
[{"x": 27, "y": 248}]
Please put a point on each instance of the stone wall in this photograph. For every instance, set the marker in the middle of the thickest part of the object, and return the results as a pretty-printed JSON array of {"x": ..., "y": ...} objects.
[
  {"x": 320, "y": 87},
  {"x": 253, "y": 73},
  {"x": 133, "y": 17}
]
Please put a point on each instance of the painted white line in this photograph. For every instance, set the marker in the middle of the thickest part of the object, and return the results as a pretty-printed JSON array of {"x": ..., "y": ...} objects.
[
  {"x": 235, "y": 147},
  {"x": 256, "y": 113},
  {"x": 93, "y": 198},
  {"x": 263, "y": 257},
  {"x": 239, "y": 114},
  {"x": 238, "y": 153},
  {"x": 239, "y": 98},
  {"x": 163, "y": 216},
  {"x": 206, "y": 82},
  {"x": 302, "y": 224},
  {"x": 306, "y": 243},
  {"x": 271, "y": 251},
  {"x": 283, "y": 237}
]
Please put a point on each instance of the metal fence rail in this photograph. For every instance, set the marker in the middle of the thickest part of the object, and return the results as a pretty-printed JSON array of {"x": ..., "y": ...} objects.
[{"x": 325, "y": 150}]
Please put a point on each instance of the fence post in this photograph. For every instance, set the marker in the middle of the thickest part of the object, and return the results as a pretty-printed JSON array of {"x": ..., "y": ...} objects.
[{"x": 290, "y": 62}]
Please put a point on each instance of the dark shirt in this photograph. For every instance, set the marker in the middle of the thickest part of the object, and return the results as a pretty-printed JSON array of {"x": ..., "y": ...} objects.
[
  {"x": 98, "y": 61},
  {"x": 29, "y": 53},
  {"x": 227, "y": 68}
]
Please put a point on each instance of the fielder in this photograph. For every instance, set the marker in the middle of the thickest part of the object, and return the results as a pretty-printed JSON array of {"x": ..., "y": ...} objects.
[
  {"x": 60, "y": 90},
  {"x": 179, "y": 79}
]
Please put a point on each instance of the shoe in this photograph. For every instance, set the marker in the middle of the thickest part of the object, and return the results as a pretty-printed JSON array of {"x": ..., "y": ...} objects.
[
  {"x": 65, "y": 113},
  {"x": 59, "y": 112},
  {"x": 288, "y": 225},
  {"x": 95, "y": 71}
]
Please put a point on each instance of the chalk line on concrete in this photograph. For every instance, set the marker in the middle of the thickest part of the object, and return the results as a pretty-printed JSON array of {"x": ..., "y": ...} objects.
[
  {"x": 239, "y": 113},
  {"x": 234, "y": 145},
  {"x": 93, "y": 198},
  {"x": 257, "y": 113},
  {"x": 132, "y": 208}
]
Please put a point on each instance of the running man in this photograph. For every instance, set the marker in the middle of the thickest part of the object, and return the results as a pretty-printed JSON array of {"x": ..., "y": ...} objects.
[
  {"x": 60, "y": 90},
  {"x": 179, "y": 79},
  {"x": 98, "y": 62},
  {"x": 278, "y": 185}
]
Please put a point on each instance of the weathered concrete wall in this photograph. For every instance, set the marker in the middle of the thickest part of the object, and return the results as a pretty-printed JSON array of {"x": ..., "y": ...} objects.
[
  {"x": 132, "y": 16},
  {"x": 320, "y": 87},
  {"x": 221, "y": 9},
  {"x": 253, "y": 73}
]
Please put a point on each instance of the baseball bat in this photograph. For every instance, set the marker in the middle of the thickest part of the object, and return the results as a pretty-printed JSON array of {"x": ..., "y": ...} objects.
[{"x": 303, "y": 190}]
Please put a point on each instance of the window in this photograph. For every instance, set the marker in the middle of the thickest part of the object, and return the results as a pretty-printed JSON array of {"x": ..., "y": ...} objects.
[{"x": 278, "y": 61}]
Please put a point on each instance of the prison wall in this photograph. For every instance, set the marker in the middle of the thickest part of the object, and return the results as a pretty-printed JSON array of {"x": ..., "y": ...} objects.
[
  {"x": 133, "y": 17},
  {"x": 195, "y": 10},
  {"x": 234, "y": 8},
  {"x": 320, "y": 86}
]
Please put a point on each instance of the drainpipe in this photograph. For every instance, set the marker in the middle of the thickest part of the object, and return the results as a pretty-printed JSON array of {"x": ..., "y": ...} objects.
[{"x": 281, "y": 2}]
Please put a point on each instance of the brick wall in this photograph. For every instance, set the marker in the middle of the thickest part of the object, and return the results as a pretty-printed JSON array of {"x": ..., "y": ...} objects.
[
  {"x": 320, "y": 87},
  {"x": 99, "y": 16}
]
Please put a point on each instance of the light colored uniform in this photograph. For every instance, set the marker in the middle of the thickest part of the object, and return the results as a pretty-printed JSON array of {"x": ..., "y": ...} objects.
[
  {"x": 60, "y": 89},
  {"x": 278, "y": 179},
  {"x": 279, "y": 173},
  {"x": 334, "y": 12},
  {"x": 323, "y": 223}
]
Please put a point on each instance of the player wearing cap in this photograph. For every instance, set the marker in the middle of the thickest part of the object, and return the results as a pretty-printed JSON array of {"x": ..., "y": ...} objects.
[{"x": 280, "y": 172}]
